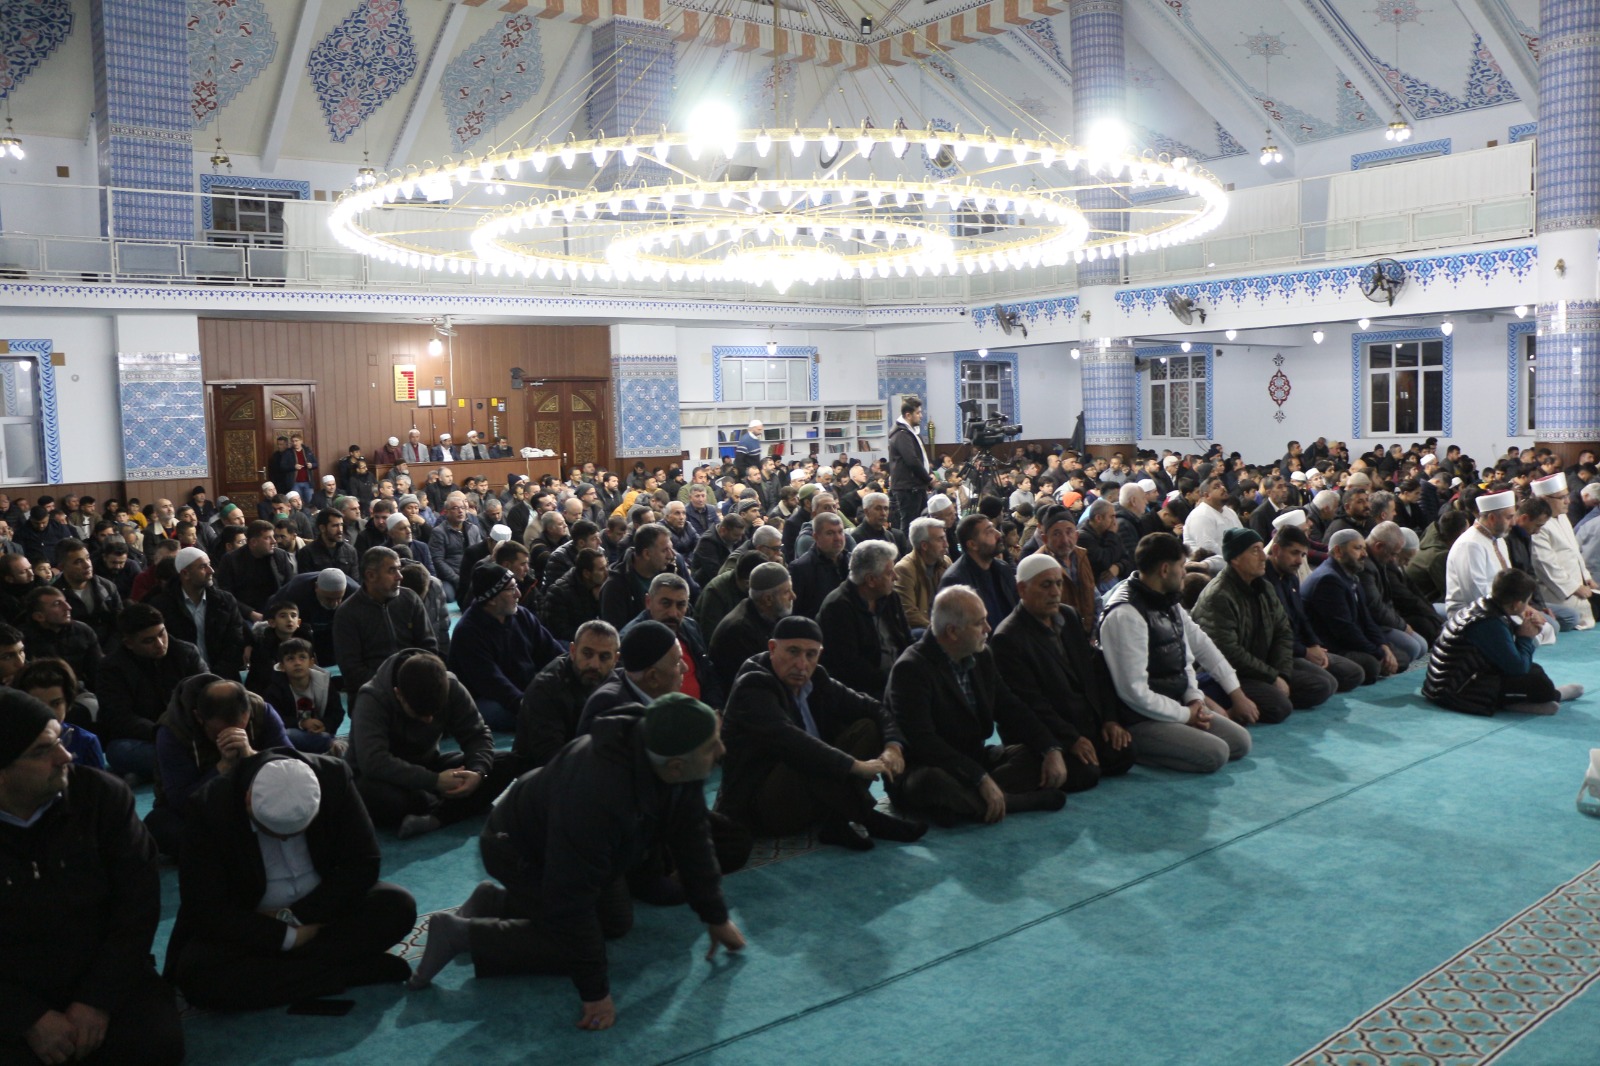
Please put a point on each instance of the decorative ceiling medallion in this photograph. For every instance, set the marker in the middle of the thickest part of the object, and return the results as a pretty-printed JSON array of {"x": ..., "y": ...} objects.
[{"x": 361, "y": 63}]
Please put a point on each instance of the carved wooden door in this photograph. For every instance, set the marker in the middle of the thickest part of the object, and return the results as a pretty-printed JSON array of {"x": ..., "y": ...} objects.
[
  {"x": 570, "y": 418},
  {"x": 249, "y": 419}
]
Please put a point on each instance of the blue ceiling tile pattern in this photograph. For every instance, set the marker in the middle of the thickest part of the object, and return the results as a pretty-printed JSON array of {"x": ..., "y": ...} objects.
[
  {"x": 489, "y": 81},
  {"x": 29, "y": 31},
  {"x": 361, "y": 63},
  {"x": 230, "y": 43}
]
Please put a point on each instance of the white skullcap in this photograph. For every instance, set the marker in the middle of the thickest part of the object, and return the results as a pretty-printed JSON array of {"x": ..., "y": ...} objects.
[
  {"x": 285, "y": 796},
  {"x": 754, "y": 422},
  {"x": 1036, "y": 564},
  {"x": 331, "y": 579},
  {"x": 291, "y": 493},
  {"x": 1343, "y": 536},
  {"x": 1426, "y": 459},
  {"x": 1496, "y": 501},
  {"x": 396, "y": 520},
  {"x": 1412, "y": 541},
  {"x": 1174, "y": 495},
  {"x": 939, "y": 502},
  {"x": 797, "y": 475},
  {"x": 1455, "y": 482},
  {"x": 500, "y": 534},
  {"x": 1147, "y": 485},
  {"x": 1171, "y": 460},
  {"x": 189, "y": 556},
  {"x": 394, "y": 442},
  {"x": 1298, "y": 475},
  {"x": 445, "y": 436},
  {"x": 1294, "y": 516},
  {"x": 1554, "y": 485}
]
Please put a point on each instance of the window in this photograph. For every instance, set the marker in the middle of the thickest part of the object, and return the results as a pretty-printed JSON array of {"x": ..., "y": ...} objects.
[
  {"x": 1178, "y": 391},
  {"x": 990, "y": 383},
  {"x": 254, "y": 216},
  {"x": 760, "y": 380},
  {"x": 21, "y": 451},
  {"x": 1528, "y": 367},
  {"x": 1406, "y": 382}
]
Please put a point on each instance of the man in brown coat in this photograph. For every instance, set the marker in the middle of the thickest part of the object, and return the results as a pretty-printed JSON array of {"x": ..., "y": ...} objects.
[{"x": 917, "y": 576}]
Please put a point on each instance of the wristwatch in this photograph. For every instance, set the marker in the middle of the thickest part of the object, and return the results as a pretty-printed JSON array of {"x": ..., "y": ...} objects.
[{"x": 286, "y": 916}]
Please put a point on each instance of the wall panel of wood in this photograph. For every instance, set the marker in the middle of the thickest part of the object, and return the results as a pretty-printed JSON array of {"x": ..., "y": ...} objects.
[{"x": 353, "y": 363}]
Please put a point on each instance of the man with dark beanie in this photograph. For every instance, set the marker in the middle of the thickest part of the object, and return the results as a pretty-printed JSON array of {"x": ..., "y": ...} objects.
[
  {"x": 82, "y": 901},
  {"x": 564, "y": 836},
  {"x": 803, "y": 749},
  {"x": 499, "y": 646},
  {"x": 652, "y": 666}
]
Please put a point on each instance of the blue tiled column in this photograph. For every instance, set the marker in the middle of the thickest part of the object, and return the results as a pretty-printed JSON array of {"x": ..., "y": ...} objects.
[
  {"x": 142, "y": 119},
  {"x": 631, "y": 91},
  {"x": 1567, "y": 185},
  {"x": 1109, "y": 383},
  {"x": 1098, "y": 92}
]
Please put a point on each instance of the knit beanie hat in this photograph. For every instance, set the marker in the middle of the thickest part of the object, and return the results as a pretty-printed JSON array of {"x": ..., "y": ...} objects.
[
  {"x": 1235, "y": 542},
  {"x": 22, "y": 719},
  {"x": 491, "y": 579},
  {"x": 676, "y": 724},
  {"x": 644, "y": 645},
  {"x": 797, "y": 627}
]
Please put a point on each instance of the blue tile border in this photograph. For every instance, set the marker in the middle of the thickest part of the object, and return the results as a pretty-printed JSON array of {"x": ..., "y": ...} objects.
[
  {"x": 1522, "y": 132},
  {"x": 1415, "y": 150},
  {"x": 233, "y": 183}
]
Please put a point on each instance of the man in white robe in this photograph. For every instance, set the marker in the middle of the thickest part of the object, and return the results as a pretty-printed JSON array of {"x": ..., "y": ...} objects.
[
  {"x": 1557, "y": 560},
  {"x": 1479, "y": 554}
]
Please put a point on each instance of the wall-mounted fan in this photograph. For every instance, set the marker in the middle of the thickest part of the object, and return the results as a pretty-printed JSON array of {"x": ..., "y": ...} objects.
[
  {"x": 1010, "y": 321},
  {"x": 1382, "y": 280},
  {"x": 1183, "y": 308}
]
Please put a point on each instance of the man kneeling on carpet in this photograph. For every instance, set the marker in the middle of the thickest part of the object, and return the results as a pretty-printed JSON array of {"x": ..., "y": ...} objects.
[
  {"x": 279, "y": 892},
  {"x": 803, "y": 749},
  {"x": 563, "y": 838},
  {"x": 1483, "y": 661},
  {"x": 947, "y": 694}
]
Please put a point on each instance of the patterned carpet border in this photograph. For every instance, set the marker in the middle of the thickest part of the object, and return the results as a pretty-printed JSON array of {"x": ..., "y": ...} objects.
[{"x": 1476, "y": 1005}]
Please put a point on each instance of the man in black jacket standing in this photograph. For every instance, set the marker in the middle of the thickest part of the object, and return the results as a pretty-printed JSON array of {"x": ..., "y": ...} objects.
[
  {"x": 1048, "y": 663},
  {"x": 803, "y": 749},
  {"x": 565, "y": 835},
  {"x": 947, "y": 694},
  {"x": 82, "y": 902},
  {"x": 909, "y": 478},
  {"x": 280, "y": 893}
]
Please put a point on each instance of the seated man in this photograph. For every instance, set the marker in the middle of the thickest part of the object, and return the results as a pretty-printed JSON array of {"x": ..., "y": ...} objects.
[
  {"x": 1341, "y": 616},
  {"x": 1394, "y": 603},
  {"x": 667, "y": 602},
  {"x": 863, "y": 625},
  {"x": 137, "y": 681},
  {"x": 1048, "y": 663},
  {"x": 378, "y": 621},
  {"x": 575, "y": 597},
  {"x": 651, "y": 665},
  {"x": 49, "y": 632},
  {"x": 874, "y": 524},
  {"x": 279, "y": 889},
  {"x": 1483, "y": 661},
  {"x": 94, "y": 600},
  {"x": 1285, "y": 555},
  {"x": 52, "y": 682},
  {"x": 553, "y": 703},
  {"x": 747, "y": 628},
  {"x": 822, "y": 567},
  {"x": 255, "y": 572},
  {"x": 726, "y": 590},
  {"x": 210, "y": 727},
  {"x": 1564, "y": 578},
  {"x": 318, "y": 597},
  {"x": 713, "y": 547},
  {"x": 563, "y": 840},
  {"x": 1151, "y": 647},
  {"x": 395, "y": 725},
  {"x": 981, "y": 568},
  {"x": 194, "y": 600},
  {"x": 498, "y": 647},
  {"x": 1241, "y": 613},
  {"x": 803, "y": 749},
  {"x": 947, "y": 695},
  {"x": 917, "y": 575},
  {"x": 83, "y": 898}
]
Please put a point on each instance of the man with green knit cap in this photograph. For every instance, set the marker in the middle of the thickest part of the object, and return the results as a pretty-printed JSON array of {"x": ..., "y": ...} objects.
[{"x": 562, "y": 838}]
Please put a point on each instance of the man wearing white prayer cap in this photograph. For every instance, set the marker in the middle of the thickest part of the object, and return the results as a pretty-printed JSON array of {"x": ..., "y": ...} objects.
[
  {"x": 281, "y": 899},
  {"x": 1480, "y": 553},
  {"x": 1564, "y": 578}
]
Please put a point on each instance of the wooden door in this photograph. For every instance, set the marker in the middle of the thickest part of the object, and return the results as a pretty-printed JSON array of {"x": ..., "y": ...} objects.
[
  {"x": 570, "y": 418},
  {"x": 249, "y": 418}
]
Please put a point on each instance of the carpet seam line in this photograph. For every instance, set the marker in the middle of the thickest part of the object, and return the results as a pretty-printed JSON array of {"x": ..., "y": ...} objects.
[{"x": 1063, "y": 911}]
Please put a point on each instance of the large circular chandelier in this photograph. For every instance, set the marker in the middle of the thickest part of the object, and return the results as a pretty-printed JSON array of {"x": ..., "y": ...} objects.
[{"x": 780, "y": 206}]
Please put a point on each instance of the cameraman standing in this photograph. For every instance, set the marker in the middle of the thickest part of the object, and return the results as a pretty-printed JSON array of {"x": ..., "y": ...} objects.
[{"x": 909, "y": 479}]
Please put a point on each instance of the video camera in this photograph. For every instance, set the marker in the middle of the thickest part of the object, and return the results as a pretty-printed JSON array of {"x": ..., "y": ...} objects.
[{"x": 984, "y": 433}]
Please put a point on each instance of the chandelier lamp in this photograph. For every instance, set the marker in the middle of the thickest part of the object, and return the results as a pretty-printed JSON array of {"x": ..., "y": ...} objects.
[{"x": 677, "y": 209}]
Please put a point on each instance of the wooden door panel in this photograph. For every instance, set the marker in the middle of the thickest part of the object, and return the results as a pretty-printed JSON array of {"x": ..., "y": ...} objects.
[
  {"x": 569, "y": 418},
  {"x": 242, "y": 455}
]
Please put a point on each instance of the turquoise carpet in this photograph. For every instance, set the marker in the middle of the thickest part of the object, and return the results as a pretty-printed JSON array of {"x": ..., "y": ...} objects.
[{"x": 1303, "y": 905}]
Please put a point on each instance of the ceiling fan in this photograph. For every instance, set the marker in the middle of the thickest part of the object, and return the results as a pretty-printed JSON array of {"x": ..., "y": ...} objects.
[
  {"x": 1183, "y": 308},
  {"x": 1382, "y": 280},
  {"x": 1010, "y": 321}
]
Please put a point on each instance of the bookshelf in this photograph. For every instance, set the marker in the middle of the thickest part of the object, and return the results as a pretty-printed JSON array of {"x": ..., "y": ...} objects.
[{"x": 711, "y": 430}]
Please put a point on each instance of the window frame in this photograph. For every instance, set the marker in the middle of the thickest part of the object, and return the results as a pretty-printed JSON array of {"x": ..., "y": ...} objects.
[
  {"x": 1362, "y": 383},
  {"x": 1157, "y": 380}
]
